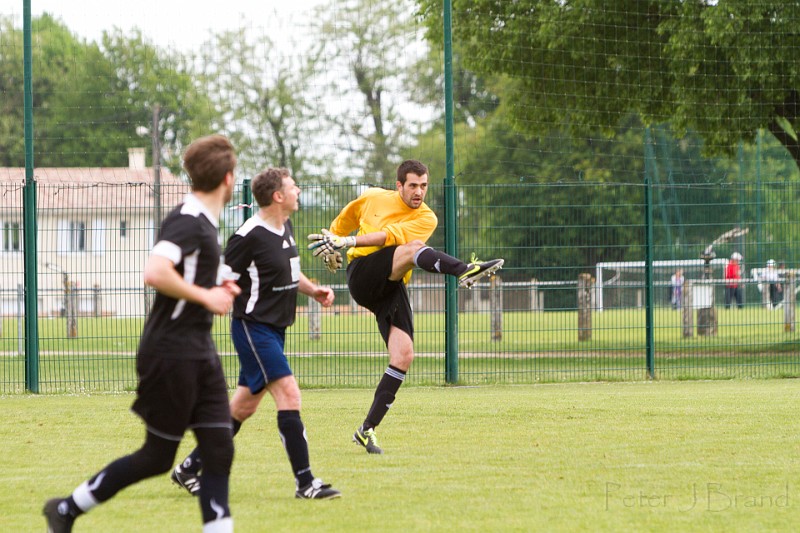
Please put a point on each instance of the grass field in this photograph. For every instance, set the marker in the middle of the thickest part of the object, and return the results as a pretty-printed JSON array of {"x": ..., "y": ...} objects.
[
  {"x": 638, "y": 456},
  {"x": 747, "y": 330}
]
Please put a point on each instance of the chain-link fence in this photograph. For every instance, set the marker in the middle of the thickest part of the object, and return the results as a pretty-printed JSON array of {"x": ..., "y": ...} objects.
[
  {"x": 526, "y": 325},
  {"x": 617, "y": 162}
]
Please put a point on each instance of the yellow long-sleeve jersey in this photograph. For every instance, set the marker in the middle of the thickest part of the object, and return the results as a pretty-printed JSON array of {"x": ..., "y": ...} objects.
[{"x": 383, "y": 210}]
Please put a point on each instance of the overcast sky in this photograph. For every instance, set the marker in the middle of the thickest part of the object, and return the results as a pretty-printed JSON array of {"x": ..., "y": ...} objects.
[{"x": 178, "y": 24}]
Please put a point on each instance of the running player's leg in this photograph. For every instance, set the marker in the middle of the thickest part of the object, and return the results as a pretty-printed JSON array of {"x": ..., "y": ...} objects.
[
  {"x": 286, "y": 394},
  {"x": 153, "y": 458},
  {"x": 437, "y": 262},
  {"x": 401, "y": 354},
  {"x": 211, "y": 422}
]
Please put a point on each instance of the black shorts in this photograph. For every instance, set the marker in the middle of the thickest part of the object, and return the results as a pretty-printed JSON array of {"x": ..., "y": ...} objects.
[
  {"x": 176, "y": 394},
  {"x": 369, "y": 284}
]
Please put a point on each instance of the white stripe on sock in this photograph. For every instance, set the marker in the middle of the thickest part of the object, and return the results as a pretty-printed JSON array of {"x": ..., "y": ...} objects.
[
  {"x": 83, "y": 497},
  {"x": 416, "y": 255},
  {"x": 224, "y": 525},
  {"x": 396, "y": 374}
]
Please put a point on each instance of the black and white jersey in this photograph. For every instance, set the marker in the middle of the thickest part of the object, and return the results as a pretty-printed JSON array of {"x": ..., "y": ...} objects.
[
  {"x": 268, "y": 264},
  {"x": 177, "y": 329}
]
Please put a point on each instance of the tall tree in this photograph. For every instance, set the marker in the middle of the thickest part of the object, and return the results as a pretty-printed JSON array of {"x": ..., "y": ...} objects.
[
  {"x": 369, "y": 47},
  {"x": 72, "y": 93},
  {"x": 147, "y": 77},
  {"x": 724, "y": 69},
  {"x": 12, "y": 138},
  {"x": 89, "y": 99},
  {"x": 263, "y": 93}
]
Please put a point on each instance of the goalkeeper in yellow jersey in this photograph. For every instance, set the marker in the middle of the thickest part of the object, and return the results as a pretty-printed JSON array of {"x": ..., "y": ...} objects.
[{"x": 391, "y": 229}]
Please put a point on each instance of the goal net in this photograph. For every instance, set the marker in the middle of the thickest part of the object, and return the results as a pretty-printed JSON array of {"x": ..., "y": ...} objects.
[{"x": 622, "y": 284}]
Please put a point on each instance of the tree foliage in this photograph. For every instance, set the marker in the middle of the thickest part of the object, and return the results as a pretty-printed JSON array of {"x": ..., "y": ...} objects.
[
  {"x": 262, "y": 95},
  {"x": 146, "y": 76},
  {"x": 73, "y": 99},
  {"x": 88, "y": 99},
  {"x": 722, "y": 69},
  {"x": 369, "y": 48}
]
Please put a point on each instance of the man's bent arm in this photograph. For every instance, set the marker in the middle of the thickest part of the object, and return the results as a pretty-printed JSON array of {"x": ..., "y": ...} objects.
[{"x": 160, "y": 273}]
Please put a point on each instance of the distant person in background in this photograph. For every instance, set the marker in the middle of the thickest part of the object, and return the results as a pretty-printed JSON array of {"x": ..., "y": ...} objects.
[
  {"x": 677, "y": 288},
  {"x": 733, "y": 276},
  {"x": 771, "y": 278}
]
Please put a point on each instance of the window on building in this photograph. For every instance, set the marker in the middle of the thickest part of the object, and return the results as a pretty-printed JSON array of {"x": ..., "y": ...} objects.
[
  {"x": 77, "y": 236},
  {"x": 123, "y": 229},
  {"x": 71, "y": 236},
  {"x": 12, "y": 238}
]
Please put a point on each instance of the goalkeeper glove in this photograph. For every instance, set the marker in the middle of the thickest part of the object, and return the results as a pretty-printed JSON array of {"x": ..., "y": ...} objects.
[
  {"x": 333, "y": 261},
  {"x": 327, "y": 242}
]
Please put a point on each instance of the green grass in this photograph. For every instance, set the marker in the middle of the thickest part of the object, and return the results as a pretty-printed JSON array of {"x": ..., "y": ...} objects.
[
  {"x": 641, "y": 456},
  {"x": 535, "y": 348},
  {"x": 750, "y": 330}
]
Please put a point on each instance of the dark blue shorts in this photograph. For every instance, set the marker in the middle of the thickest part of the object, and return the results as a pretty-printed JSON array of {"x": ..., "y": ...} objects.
[{"x": 260, "y": 350}]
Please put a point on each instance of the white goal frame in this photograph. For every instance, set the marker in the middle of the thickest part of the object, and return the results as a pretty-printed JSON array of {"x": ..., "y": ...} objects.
[{"x": 639, "y": 266}]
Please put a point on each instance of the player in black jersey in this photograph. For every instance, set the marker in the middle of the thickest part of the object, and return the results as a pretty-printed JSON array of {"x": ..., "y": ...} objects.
[
  {"x": 181, "y": 382},
  {"x": 264, "y": 255}
]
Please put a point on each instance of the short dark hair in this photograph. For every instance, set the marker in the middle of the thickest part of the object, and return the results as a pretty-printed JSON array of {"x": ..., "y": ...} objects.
[
  {"x": 207, "y": 160},
  {"x": 266, "y": 183},
  {"x": 410, "y": 166}
]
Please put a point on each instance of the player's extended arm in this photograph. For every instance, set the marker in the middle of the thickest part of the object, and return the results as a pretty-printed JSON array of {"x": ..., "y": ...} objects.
[{"x": 326, "y": 242}]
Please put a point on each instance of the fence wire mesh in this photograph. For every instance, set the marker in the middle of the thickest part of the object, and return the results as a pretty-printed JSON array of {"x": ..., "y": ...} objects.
[
  {"x": 522, "y": 326},
  {"x": 571, "y": 127}
]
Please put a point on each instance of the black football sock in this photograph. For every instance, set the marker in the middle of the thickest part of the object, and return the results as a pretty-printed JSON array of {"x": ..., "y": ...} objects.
[
  {"x": 153, "y": 458},
  {"x": 214, "y": 497},
  {"x": 384, "y": 396},
  {"x": 432, "y": 260},
  {"x": 293, "y": 436},
  {"x": 193, "y": 464}
]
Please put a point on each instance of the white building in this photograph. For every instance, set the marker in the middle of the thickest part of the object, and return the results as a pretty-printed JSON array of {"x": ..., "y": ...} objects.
[{"x": 94, "y": 225}]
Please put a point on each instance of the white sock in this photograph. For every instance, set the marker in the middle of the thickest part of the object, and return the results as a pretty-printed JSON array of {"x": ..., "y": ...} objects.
[{"x": 223, "y": 525}]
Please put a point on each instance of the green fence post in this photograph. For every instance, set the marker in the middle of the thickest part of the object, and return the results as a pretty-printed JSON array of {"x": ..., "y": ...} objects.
[
  {"x": 648, "y": 254},
  {"x": 29, "y": 217},
  {"x": 450, "y": 207},
  {"x": 759, "y": 214},
  {"x": 247, "y": 199}
]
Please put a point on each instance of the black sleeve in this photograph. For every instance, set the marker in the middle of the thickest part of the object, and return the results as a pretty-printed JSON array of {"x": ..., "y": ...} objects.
[
  {"x": 182, "y": 232},
  {"x": 238, "y": 254}
]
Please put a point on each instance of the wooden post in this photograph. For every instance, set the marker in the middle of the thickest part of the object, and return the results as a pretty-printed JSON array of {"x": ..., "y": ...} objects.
[
  {"x": 707, "y": 316},
  {"x": 20, "y": 319},
  {"x": 496, "y": 295},
  {"x": 147, "y": 292},
  {"x": 789, "y": 302},
  {"x": 96, "y": 302},
  {"x": 585, "y": 283},
  {"x": 687, "y": 309},
  {"x": 314, "y": 319},
  {"x": 535, "y": 295},
  {"x": 71, "y": 312}
]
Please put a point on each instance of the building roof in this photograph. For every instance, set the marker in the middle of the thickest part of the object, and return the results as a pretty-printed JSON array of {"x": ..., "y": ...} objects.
[{"x": 117, "y": 188}]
